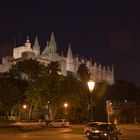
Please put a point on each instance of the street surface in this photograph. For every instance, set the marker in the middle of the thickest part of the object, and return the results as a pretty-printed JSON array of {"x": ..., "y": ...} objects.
[{"x": 130, "y": 132}]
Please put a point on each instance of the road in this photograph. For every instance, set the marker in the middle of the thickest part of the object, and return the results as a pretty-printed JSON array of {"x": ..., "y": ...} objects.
[
  {"x": 44, "y": 137},
  {"x": 130, "y": 132}
]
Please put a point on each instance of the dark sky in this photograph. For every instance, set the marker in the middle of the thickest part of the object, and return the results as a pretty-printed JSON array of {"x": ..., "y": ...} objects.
[{"x": 107, "y": 31}]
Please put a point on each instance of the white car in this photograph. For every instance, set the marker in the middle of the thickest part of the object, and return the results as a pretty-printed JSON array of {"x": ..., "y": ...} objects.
[{"x": 59, "y": 123}]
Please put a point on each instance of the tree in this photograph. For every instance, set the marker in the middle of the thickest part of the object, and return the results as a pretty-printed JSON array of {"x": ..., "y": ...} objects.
[
  {"x": 11, "y": 92},
  {"x": 53, "y": 68},
  {"x": 123, "y": 90},
  {"x": 125, "y": 96},
  {"x": 76, "y": 95},
  {"x": 83, "y": 73},
  {"x": 46, "y": 88},
  {"x": 37, "y": 93},
  {"x": 53, "y": 86},
  {"x": 29, "y": 69}
]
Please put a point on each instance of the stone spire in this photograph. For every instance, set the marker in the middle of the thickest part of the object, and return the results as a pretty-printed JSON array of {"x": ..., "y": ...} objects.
[
  {"x": 36, "y": 47},
  {"x": 52, "y": 44},
  {"x": 52, "y": 38},
  {"x": 77, "y": 59},
  {"x": 62, "y": 54},
  {"x": 27, "y": 39},
  {"x": 70, "y": 60},
  {"x": 50, "y": 51},
  {"x": 70, "y": 55},
  {"x": 90, "y": 61},
  {"x": 27, "y": 44},
  {"x": 45, "y": 51}
]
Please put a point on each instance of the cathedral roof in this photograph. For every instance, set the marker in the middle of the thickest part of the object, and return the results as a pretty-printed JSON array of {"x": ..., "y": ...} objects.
[
  {"x": 69, "y": 55},
  {"x": 52, "y": 39},
  {"x": 36, "y": 46}
]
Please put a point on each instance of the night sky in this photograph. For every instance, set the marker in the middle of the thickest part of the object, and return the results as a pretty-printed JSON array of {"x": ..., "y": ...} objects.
[{"x": 107, "y": 31}]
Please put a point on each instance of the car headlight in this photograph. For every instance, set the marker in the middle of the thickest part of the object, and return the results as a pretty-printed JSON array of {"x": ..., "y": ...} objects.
[
  {"x": 87, "y": 133},
  {"x": 96, "y": 131},
  {"x": 105, "y": 134}
]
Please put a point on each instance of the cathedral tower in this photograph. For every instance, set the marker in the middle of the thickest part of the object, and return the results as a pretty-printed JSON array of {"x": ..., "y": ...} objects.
[
  {"x": 70, "y": 61},
  {"x": 36, "y": 47},
  {"x": 50, "y": 52}
]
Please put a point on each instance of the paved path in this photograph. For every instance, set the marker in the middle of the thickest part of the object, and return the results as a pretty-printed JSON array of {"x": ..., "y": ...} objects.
[{"x": 130, "y": 132}]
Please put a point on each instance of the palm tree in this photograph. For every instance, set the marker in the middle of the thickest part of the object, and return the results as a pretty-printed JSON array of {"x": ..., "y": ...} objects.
[
  {"x": 83, "y": 73},
  {"x": 53, "y": 68},
  {"x": 29, "y": 68},
  {"x": 53, "y": 86}
]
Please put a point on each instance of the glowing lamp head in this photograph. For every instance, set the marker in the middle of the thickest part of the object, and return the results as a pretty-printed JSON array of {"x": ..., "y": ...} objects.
[
  {"x": 24, "y": 106},
  {"x": 65, "y": 105},
  {"x": 91, "y": 85}
]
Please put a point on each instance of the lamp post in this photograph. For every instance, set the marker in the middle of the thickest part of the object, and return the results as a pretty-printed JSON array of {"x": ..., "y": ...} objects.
[
  {"x": 91, "y": 85},
  {"x": 108, "y": 109},
  {"x": 24, "y": 109},
  {"x": 66, "y": 109}
]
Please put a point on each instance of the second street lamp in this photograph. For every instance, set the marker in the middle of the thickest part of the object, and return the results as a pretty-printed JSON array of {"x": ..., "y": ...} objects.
[
  {"x": 66, "y": 109},
  {"x": 24, "y": 111},
  {"x": 91, "y": 85},
  {"x": 65, "y": 105}
]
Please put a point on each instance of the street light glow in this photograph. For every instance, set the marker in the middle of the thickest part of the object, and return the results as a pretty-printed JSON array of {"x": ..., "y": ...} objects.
[
  {"x": 65, "y": 105},
  {"x": 24, "y": 106},
  {"x": 91, "y": 85}
]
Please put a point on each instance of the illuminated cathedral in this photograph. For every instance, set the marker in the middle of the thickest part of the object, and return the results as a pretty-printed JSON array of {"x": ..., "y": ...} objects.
[{"x": 68, "y": 63}]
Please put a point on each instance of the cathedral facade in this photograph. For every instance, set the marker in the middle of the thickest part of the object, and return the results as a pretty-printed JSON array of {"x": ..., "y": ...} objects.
[{"x": 67, "y": 63}]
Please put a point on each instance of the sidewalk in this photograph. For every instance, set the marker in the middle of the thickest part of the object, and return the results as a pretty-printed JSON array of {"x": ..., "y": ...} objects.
[
  {"x": 24, "y": 125},
  {"x": 130, "y": 126},
  {"x": 31, "y": 124}
]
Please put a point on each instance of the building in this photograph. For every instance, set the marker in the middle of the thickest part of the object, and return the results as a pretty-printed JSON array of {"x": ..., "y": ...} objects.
[{"x": 67, "y": 63}]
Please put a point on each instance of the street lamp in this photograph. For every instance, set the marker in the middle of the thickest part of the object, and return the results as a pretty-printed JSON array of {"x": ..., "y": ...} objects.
[
  {"x": 24, "y": 106},
  {"x": 65, "y": 105},
  {"x": 109, "y": 109},
  {"x": 66, "y": 109},
  {"x": 91, "y": 85},
  {"x": 24, "y": 109}
]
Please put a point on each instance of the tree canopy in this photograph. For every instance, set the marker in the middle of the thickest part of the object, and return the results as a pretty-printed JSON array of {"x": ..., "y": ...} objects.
[
  {"x": 83, "y": 73},
  {"x": 123, "y": 90},
  {"x": 11, "y": 92}
]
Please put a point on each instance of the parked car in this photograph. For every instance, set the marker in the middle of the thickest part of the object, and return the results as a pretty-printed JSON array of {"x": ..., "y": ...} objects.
[
  {"x": 102, "y": 130},
  {"x": 59, "y": 123}
]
